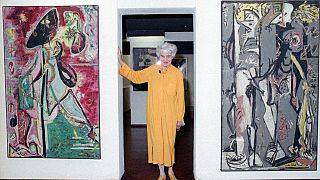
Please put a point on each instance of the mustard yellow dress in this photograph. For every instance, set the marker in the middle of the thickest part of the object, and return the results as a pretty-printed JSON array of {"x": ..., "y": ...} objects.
[{"x": 164, "y": 108}]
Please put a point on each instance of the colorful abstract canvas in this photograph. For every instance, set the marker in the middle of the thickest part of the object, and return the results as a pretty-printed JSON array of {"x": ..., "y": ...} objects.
[
  {"x": 270, "y": 85},
  {"x": 52, "y": 81}
]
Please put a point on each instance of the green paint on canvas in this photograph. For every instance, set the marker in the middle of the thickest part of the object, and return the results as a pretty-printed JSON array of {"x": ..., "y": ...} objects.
[{"x": 68, "y": 141}]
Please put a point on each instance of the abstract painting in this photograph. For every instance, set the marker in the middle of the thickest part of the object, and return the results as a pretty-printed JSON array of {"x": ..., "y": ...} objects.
[
  {"x": 143, "y": 58},
  {"x": 52, "y": 81},
  {"x": 270, "y": 85}
]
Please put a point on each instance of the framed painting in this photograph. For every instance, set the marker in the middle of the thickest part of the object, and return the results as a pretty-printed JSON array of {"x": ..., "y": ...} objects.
[
  {"x": 270, "y": 85},
  {"x": 143, "y": 58},
  {"x": 52, "y": 81}
]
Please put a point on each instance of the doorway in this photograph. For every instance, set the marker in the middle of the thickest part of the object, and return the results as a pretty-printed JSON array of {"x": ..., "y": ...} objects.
[{"x": 142, "y": 31}]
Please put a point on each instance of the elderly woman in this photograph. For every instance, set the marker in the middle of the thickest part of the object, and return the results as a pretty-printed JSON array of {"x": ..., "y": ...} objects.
[{"x": 165, "y": 109}]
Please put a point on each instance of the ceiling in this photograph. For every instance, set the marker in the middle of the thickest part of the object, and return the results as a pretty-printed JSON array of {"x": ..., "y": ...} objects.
[{"x": 156, "y": 24}]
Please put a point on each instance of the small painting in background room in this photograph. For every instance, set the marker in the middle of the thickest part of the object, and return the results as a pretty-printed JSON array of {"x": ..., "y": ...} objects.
[
  {"x": 270, "y": 85},
  {"x": 143, "y": 58},
  {"x": 181, "y": 63},
  {"x": 52, "y": 81}
]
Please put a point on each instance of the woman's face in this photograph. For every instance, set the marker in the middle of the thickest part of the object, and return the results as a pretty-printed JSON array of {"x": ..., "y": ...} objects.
[{"x": 165, "y": 58}]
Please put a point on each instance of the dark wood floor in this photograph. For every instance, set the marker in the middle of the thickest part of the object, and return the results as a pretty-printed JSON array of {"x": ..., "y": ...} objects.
[{"x": 136, "y": 158}]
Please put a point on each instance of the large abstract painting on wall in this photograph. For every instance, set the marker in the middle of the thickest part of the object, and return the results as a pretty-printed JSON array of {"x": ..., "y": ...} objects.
[
  {"x": 143, "y": 58},
  {"x": 52, "y": 85},
  {"x": 270, "y": 85}
]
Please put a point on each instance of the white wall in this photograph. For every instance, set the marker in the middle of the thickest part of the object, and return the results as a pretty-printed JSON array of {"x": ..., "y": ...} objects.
[
  {"x": 132, "y": 4},
  {"x": 111, "y": 165},
  {"x": 207, "y": 96}
]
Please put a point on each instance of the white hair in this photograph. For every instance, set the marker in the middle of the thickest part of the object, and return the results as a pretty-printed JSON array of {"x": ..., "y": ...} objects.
[{"x": 168, "y": 47}]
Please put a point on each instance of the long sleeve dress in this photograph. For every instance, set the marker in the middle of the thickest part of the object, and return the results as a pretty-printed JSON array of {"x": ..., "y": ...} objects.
[{"x": 165, "y": 107}]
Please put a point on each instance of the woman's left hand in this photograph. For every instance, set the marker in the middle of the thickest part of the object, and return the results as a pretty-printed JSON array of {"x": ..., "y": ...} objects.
[{"x": 120, "y": 60}]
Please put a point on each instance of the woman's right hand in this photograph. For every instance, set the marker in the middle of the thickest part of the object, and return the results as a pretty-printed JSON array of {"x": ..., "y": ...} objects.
[{"x": 120, "y": 60}]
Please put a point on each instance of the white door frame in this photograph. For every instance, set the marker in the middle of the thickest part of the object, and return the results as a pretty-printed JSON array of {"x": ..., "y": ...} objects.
[{"x": 149, "y": 11}]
